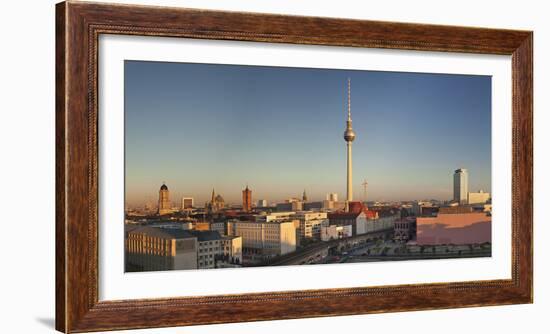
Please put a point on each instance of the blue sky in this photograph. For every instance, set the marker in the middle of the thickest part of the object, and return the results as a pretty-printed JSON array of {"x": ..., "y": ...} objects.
[{"x": 279, "y": 130}]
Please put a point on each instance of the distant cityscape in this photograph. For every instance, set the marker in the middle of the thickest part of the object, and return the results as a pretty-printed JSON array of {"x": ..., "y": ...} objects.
[{"x": 178, "y": 234}]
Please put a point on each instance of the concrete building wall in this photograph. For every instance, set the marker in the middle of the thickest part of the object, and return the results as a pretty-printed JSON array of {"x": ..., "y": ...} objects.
[
  {"x": 329, "y": 233},
  {"x": 186, "y": 254},
  {"x": 251, "y": 233},
  {"x": 287, "y": 238},
  {"x": 266, "y": 238},
  {"x": 149, "y": 262},
  {"x": 233, "y": 248},
  {"x": 153, "y": 253},
  {"x": 345, "y": 231},
  {"x": 361, "y": 225},
  {"x": 374, "y": 225}
]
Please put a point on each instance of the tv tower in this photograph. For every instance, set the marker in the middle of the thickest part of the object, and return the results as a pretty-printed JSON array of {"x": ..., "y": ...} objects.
[{"x": 349, "y": 136}]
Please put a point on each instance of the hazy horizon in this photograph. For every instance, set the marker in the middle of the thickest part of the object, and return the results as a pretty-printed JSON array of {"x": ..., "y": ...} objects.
[{"x": 279, "y": 130}]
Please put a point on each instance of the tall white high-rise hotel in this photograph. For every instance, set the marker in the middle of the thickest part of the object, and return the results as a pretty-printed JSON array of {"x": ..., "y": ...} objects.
[{"x": 460, "y": 193}]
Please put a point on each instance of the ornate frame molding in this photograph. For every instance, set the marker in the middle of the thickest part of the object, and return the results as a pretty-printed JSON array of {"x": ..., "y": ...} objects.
[{"x": 78, "y": 27}]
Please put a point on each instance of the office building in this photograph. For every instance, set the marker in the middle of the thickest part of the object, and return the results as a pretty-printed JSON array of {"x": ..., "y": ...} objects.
[
  {"x": 460, "y": 183},
  {"x": 153, "y": 249},
  {"x": 269, "y": 238},
  {"x": 479, "y": 197},
  {"x": 310, "y": 224},
  {"x": 209, "y": 248}
]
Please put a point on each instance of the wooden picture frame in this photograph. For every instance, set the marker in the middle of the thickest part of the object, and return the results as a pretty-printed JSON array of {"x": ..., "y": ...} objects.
[{"x": 78, "y": 26}]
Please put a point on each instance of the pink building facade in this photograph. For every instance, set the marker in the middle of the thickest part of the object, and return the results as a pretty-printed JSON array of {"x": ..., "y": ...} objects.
[{"x": 456, "y": 228}]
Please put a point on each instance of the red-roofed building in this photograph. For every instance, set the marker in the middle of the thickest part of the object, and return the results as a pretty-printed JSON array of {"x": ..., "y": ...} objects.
[
  {"x": 353, "y": 219},
  {"x": 364, "y": 220},
  {"x": 342, "y": 217},
  {"x": 356, "y": 207},
  {"x": 371, "y": 214}
]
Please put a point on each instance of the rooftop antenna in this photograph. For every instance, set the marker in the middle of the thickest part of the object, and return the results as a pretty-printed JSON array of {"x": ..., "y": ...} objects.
[
  {"x": 349, "y": 99},
  {"x": 365, "y": 184}
]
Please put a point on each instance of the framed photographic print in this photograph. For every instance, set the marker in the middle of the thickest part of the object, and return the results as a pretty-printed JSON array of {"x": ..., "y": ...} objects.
[{"x": 222, "y": 166}]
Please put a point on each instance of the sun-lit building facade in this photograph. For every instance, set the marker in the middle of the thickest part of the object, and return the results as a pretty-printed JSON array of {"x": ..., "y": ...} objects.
[
  {"x": 454, "y": 228},
  {"x": 268, "y": 238},
  {"x": 154, "y": 249},
  {"x": 479, "y": 197}
]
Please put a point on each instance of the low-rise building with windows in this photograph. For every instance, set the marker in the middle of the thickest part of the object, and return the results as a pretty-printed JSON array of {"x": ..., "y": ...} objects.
[
  {"x": 363, "y": 220},
  {"x": 155, "y": 249},
  {"x": 232, "y": 249},
  {"x": 209, "y": 248},
  {"x": 266, "y": 238},
  {"x": 310, "y": 224}
]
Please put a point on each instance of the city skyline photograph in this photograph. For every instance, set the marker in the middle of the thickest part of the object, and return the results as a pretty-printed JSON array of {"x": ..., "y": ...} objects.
[
  {"x": 232, "y": 166},
  {"x": 278, "y": 130}
]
